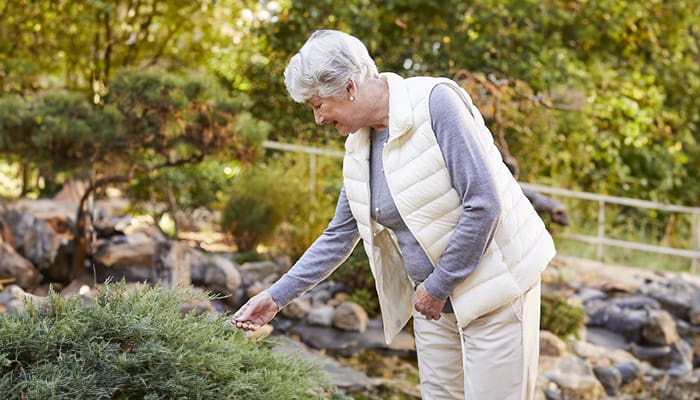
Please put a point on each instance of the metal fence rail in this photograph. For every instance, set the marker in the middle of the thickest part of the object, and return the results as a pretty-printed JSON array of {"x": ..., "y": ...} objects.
[{"x": 599, "y": 240}]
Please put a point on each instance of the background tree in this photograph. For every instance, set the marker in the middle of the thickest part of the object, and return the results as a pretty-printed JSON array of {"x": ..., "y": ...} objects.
[{"x": 150, "y": 120}]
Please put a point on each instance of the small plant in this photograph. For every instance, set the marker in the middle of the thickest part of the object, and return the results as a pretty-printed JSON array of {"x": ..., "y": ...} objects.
[
  {"x": 137, "y": 345},
  {"x": 561, "y": 317}
]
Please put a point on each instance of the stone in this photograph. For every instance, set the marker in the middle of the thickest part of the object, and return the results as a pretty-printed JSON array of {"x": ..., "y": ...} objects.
[
  {"x": 629, "y": 371},
  {"x": 694, "y": 312},
  {"x": 609, "y": 377},
  {"x": 262, "y": 271},
  {"x": 17, "y": 268},
  {"x": 13, "y": 298},
  {"x": 347, "y": 380},
  {"x": 660, "y": 328},
  {"x": 588, "y": 351},
  {"x": 681, "y": 358},
  {"x": 350, "y": 316},
  {"x": 256, "y": 288},
  {"x": 579, "y": 387},
  {"x": 321, "y": 315},
  {"x": 126, "y": 251},
  {"x": 628, "y": 322},
  {"x": 34, "y": 238},
  {"x": 297, "y": 309},
  {"x": 674, "y": 294},
  {"x": 551, "y": 344},
  {"x": 222, "y": 276},
  {"x": 171, "y": 265}
]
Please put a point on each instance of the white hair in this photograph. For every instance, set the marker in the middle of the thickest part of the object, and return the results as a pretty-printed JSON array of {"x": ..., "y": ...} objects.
[{"x": 325, "y": 64}]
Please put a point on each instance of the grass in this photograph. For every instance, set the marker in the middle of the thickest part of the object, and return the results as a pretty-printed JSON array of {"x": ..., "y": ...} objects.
[{"x": 621, "y": 256}]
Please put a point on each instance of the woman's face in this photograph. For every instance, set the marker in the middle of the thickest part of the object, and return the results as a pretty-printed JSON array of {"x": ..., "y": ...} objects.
[{"x": 338, "y": 112}]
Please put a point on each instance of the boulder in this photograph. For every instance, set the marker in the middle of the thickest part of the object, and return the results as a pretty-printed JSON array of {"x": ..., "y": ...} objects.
[
  {"x": 14, "y": 266},
  {"x": 350, "y": 316}
]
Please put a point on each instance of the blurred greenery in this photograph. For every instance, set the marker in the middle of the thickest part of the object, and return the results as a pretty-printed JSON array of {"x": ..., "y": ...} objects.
[{"x": 560, "y": 316}]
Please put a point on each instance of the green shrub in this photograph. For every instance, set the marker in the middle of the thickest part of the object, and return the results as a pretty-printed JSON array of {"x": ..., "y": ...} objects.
[
  {"x": 356, "y": 276},
  {"x": 138, "y": 346},
  {"x": 313, "y": 210},
  {"x": 561, "y": 317},
  {"x": 258, "y": 200}
]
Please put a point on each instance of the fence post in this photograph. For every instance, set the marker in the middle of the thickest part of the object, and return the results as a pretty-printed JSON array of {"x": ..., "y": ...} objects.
[
  {"x": 696, "y": 241},
  {"x": 601, "y": 229}
]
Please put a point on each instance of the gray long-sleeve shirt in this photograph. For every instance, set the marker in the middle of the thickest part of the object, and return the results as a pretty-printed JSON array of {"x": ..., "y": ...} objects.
[{"x": 467, "y": 168}]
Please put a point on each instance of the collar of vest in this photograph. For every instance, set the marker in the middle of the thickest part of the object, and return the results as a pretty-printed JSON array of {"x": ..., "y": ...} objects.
[{"x": 400, "y": 114}]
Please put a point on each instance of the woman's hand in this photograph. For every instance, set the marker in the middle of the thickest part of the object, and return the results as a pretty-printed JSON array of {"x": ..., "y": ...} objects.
[
  {"x": 426, "y": 304},
  {"x": 256, "y": 312}
]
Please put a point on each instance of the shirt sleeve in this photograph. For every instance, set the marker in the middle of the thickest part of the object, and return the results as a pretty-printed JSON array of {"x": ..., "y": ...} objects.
[
  {"x": 466, "y": 163},
  {"x": 324, "y": 256}
]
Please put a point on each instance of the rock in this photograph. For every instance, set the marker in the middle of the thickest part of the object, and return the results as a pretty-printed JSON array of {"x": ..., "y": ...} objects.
[
  {"x": 34, "y": 238},
  {"x": 694, "y": 312},
  {"x": 126, "y": 251},
  {"x": 659, "y": 328},
  {"x": 321, "y": 316},
  {"x": 629, "y": 371},
  {"x": 263, "y": 271},
  {"x": 171, "y": 265},
  {"x": 589, "y": 351},
  {"x": 256, "y": 288},
  {"x": 12, "y": 299},
  {"x": 586, "y": 294},
  {"x": 681, "y": 358},
  {"x": 80, "y": 286},
  {"x": 297, "y": 309},
  {"x": 627, "y": 322},
  {"x": 347, "y": 380},
  {"x": 6, "y": 233},
  {"x": 551, "y": 344},
  {"x": 346, "y": 343},
  {"x": 350, "y": 316},
  {"x": 14, "y": 266},
  {"x": 222, "y": 276},
  {"x": 319, "y": 297},
  {"x": 607, "y": 339},
  {"x": 609, "y": 377},
  {"x": 674, "y": 294}
]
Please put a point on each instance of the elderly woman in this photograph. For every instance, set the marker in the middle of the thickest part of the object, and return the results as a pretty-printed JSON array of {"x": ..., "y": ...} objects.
[{"x": 451, "y": 239}]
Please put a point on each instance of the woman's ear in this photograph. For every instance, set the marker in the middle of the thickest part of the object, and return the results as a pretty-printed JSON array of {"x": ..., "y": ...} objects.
[{"x": 351, "y": 88}]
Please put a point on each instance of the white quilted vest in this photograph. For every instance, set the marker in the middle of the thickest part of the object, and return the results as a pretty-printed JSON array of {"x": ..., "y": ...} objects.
[{"x": 430, "y": 206}]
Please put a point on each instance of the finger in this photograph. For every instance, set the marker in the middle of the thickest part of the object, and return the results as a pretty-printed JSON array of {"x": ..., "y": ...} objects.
[{"x": 238, "y": 314}]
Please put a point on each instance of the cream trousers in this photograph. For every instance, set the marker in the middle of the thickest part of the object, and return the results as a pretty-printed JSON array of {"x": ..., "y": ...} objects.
[{"x": 492, "y": 358}]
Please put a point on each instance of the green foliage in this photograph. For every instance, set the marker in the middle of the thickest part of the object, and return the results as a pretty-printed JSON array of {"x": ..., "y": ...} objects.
[
  {"x": 257, "y": 201},
  {"x": 149, "y": 120},
  {"x": 561, "y": 317},
  {"x": 61, "y": 127},
  {"x": 79, "y": 44},
  {"x": 315, "y": 205},
  {"x": 137, "y": 345},
  {"x": 356, "y": 276},
  {"x": 610, "y": 96}
]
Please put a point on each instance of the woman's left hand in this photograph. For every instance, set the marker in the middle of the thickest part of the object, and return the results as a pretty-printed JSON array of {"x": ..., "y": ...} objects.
[{"x": 426, "y": 304}]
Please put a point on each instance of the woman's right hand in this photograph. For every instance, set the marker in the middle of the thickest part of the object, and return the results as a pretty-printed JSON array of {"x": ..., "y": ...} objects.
[{"x": 256, "y": 312}]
